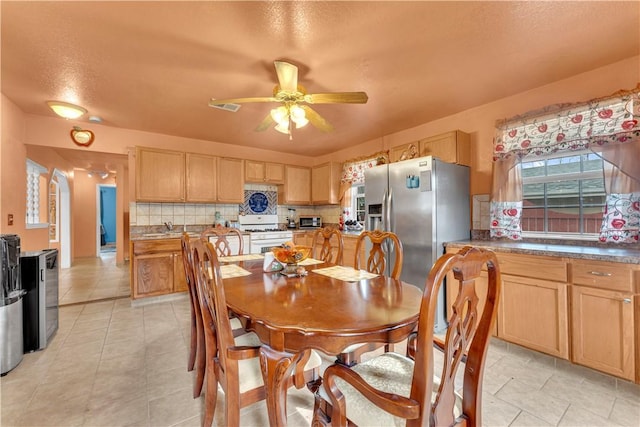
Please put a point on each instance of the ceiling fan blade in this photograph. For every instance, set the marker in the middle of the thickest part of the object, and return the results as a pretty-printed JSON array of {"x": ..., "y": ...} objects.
[
  {"x": 316, "y": 119},
  {"x": 337, "y": 98},
  {"x": 287, "y": 76},
  {"x": 214, "y": 101},
  {"x": 266, "y": 123}
]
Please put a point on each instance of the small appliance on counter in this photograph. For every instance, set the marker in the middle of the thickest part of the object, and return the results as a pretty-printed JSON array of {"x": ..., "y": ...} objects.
[
  {"x": 11, "y": 299},
  {"x": 39, "y": 271},
  {"x": 309, "y": 222},
  {"x": 291, "y": 219}
]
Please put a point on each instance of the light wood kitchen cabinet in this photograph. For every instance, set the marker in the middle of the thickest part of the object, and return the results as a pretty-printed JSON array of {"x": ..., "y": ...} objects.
[
  {"x": 450, "y": 147},
  {"x": 325, "y": 183},
  {"x": 160, "y": 175},
  {"x": 302, "y": 238},
  {"x": 349, "y": 250},
  {"x": 201, "y": 178},
  {"x": 534, "y": 314},
  {"x": 264, "y": 172},
  {"x": 603, "y": 318},
  {"x": 297, "y": 186},
  {"x": 534, "y": 292},
  {"x": 230, "y": 180},
  {"x": 404, "y": 152},
  {"x": 156, "y": 268}
]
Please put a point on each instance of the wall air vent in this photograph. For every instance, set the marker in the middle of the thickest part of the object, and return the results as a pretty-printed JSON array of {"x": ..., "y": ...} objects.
[{"x": 227, "y": 107}]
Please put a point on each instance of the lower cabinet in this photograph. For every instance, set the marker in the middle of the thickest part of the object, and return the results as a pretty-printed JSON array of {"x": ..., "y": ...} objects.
[
  {"x": 349, "y": 250},
  {"x": 156, "y": 268},
  {"x": 534, "y": 313},
  {"x": 602, "y": 330}
]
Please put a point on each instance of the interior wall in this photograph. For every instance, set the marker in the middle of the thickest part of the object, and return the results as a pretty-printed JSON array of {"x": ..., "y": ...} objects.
[{"x": 479, "y": 122}]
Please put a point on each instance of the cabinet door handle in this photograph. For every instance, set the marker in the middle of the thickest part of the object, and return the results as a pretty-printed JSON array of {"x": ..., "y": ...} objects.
[
  {"x": 627, "y": 301},
  {"x": 600, "y": 273}
]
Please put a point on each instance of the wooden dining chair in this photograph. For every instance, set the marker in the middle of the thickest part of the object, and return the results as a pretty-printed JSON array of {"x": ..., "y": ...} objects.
[
  {"x": 197, "y": 350},
  {"x": 327, "y": 245},
  {"x": 221, "y": 243},
  {"x": 197, "y": 333},
  {"x": 232, "y": 362},
  {"x": 380, "y": 244},
  {"x": 390, "y": 389}
]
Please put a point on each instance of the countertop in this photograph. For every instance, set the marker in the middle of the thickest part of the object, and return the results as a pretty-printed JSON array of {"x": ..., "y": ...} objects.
[{"x": 629, "y": 254}]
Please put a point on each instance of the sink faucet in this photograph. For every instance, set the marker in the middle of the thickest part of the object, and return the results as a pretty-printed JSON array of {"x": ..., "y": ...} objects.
[{"x": 169, "y": 226}]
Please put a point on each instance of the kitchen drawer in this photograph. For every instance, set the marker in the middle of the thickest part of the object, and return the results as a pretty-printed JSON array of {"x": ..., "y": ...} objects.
[
  {"x": 607, "y": 275},
  {"x": 156, "y": 245},
  {"x": 539, "y": 267}
]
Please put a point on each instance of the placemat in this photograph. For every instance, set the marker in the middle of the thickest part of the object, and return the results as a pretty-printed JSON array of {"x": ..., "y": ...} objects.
[
  {"x": 233, "y": 270},
  {"x": 236, "y": 258},
  {"x": 347, "y": 274},
  {"x": 310, "y": 261}
]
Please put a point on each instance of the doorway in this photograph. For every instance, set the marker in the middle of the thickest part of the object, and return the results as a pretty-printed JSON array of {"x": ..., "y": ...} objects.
[
  {"x": 106, "y": 219},
  {"x": 64, "y": 224}
]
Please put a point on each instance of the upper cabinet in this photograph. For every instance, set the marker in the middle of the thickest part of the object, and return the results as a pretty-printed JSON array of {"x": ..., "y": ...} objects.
[
  {"x": 404, "y": 152},
  {"x": 297, "y": 186},
  {"x": 264, "y": 172},
  {"x": 450, "y": 147},
  {"x": 325, "y": 183},
  {"x": 160, "y": 175},
  {"x": 173, "y": 176},
  {"x": 201, "y": 178},
  {"x": 230, "y": 180}
]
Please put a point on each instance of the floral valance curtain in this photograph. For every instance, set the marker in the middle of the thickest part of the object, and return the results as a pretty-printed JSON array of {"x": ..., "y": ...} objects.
[
  {"x": 353, "y": 173},
  {"x": 607, "y": 126},
  {"x": 353, "y": 170}
]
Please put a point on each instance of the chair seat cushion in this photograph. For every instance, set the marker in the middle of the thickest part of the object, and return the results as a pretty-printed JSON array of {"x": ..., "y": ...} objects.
[
  {"x": 389, "y": 372},
  {"x": 250, "y": 372}
]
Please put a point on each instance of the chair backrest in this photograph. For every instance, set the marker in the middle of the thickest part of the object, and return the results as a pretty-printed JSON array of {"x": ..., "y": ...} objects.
[
  {"x": 382, "y": 242},
  {"x": 212, "y": 298},
  {"x": 327, "y": 245},
  {"x": 222, "y": 245},
  {"x": 467, "y": 335},
  {"x": 187, "y": 261}
]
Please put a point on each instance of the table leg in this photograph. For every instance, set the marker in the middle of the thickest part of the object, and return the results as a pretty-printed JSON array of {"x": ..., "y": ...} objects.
[{"x": 277, "y": 367}]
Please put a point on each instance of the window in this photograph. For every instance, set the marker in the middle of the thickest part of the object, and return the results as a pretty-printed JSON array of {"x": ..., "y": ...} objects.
[
  {"x": 357, "y": 204},
  {"x": 54, "y": 216},
  {"x": 37, "y": 196},
  {"x": 563, "y": 194}
]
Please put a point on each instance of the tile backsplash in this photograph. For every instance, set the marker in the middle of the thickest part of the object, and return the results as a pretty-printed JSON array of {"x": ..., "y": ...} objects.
[
  {"x": 181, "y": 214},
  {"x": 481, "y": 217}
]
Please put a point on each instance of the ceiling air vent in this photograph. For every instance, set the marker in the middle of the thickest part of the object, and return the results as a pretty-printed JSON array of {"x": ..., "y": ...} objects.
[{"x": 227, "y": 107}]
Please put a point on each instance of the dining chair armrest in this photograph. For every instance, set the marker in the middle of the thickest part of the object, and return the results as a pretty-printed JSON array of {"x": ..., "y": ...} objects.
[
  {"x": 243, "y": 352},
  {"x": 395, "y": 404}
]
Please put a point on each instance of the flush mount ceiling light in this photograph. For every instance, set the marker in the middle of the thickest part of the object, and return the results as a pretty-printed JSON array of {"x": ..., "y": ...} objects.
[{"x": 66, "y": 110}]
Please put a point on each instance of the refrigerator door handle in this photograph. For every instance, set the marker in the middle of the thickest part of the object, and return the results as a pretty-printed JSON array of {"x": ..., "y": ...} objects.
[
  {"x": 385, "y": 224},
  {"x": 390, "y": 225}
]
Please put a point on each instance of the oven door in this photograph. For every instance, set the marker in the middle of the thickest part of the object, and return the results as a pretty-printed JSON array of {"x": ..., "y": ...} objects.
[{"x": 261, "y": 246}]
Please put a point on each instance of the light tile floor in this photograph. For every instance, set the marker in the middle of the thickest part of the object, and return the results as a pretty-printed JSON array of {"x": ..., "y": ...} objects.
[
  {"x": 114, "y": 364},
  {"x": 93, "y": 278}
]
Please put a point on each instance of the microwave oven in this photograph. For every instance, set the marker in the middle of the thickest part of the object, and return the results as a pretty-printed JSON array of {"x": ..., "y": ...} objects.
[{"x": 309, "y": 222}]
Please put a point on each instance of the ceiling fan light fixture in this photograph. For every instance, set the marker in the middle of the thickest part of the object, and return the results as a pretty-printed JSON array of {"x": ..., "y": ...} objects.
[
  {"x": 300, "y": 122},
  {"x": 283, "y": 127},
  {"x": 280, "y": 114},
  {"x": 66, "y": 110}
]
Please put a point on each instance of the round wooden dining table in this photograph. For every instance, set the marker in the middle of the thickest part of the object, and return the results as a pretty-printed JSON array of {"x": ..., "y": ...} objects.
[{"x": 292, "y": 315}]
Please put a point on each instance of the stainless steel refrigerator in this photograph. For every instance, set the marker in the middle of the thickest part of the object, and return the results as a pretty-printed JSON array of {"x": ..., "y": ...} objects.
[{"x": 426, "y": 203}]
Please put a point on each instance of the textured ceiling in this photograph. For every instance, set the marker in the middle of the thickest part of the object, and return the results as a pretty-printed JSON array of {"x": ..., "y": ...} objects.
[{"x": 153, "y": 66}]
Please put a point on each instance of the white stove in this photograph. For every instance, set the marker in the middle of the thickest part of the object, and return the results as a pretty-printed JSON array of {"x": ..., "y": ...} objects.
[{"x": 264, "y": 232}]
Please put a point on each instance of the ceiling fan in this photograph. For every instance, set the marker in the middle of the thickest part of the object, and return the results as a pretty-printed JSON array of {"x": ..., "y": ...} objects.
[{"x": 294, "y": 110}]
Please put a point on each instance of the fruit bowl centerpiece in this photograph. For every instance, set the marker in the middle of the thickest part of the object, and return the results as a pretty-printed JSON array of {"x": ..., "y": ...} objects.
[{"x": 290, "y": 255}]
